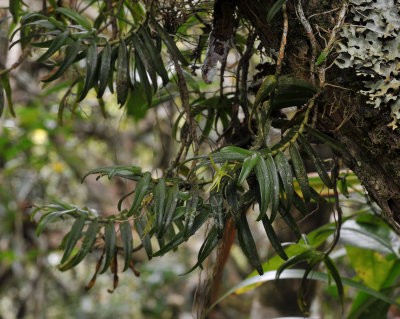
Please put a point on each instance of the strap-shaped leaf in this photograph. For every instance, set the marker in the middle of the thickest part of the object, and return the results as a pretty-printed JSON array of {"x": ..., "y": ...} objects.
[
  {"x": 304, "y": 256},
  {"x": 73, "y": 236},
  {"x": 140, "y": 225},
  {"x": 232, "y": 199},
  {"x": 191, "y": 208},
  {"x": 124, "y": 171},
  {"x": 91, "y": 68},
  {"x": 275, "y": 8},
  {"x": 300, "y": 171},
  {"x": 247, "y": 244},
  {"x": 274, "y": 186},
  {"x": 140, "y": 49},
  {"x": 248, "y": 165},
  {"x": 333, "y": 271},
  {"x": 5, "y": 82},
  {"x": 264, "y": 182},
  {"x": 319, "y": 165},
  {"x": 122, "y": 80},
  {"x": 104, "y": 71},
  {"x": 110, "y": 241},
  {"x": 273, "y": 238},
  {"x": 154, "y": 55},
  {"x": 266, "y": 89},
  {"x": 285, "y": 172},
  {"x": 144, "y": 80},
  {"x": 140, "y": 192},
  {"x": 49, "y": 218},
  {"x": 216, "y": 202},
  {"x": 331, "y": 142},
  {"x": 126, "y": 236},
  {"x": 299, "y": 203},
  {"x": 206, "y": 248},
  {"x": 159, "y": 203},
  {"x": 170, "y": 43},
  {"x": 87, "y": 245},
  {"x": 289, "y": 220},
  {"x": 170, "y": 207},
  {"x": 180, "y": 237},
  {"x": 56, "y": 44},
  {"x": 1, "y": 99},
  {"x": 76, "y": 17},
  {"x": 70, "y": 54}
]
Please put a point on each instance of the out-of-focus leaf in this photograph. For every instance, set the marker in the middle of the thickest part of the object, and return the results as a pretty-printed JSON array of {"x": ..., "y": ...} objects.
[
  {"x": 170, "y": 43},
  {"x": 300, "y": 171},
  {"x": 137, "y": 104},
  {"x": 264, "y": 182},
  {"x": 275, "y": 8},
  {"x": 1, "y": 99},
  {"x": 70, "y": 54},
  {"x": 73, "y": 237},
  {"x": 110, "y": 241},
  {"x": 5, "y": 82},
  {"x": 247, "y": 244},
  {"x": 159, "y": 205},
  {"x": 91, "y": 68},
  {"x": 75, "y": 16},
  {"x": 248, "y": 165},
  {"x": 267, "y": 87},
  {"x": 319, "y": 165},
  {"x": 273, "y": 238},
  {"x": 104, "y": 71},
  {"x": 140, "y": 192},
  {"x": 126, "y": 236},
  {"x": 333, "y": 271},
  {"x": 14, "y": 7},
  {"x": 125, "y": 171},
  {"x": 122, "y": 80},
  {"x": 285, "y": 172},
  {"x": 56, "y": 44},
  {"x": 87, "y": 245}
]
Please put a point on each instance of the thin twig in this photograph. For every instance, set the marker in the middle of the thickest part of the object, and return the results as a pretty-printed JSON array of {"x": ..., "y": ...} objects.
[
  {"x": 283, "y": 41},
  {"x": 311, "y": 37}
]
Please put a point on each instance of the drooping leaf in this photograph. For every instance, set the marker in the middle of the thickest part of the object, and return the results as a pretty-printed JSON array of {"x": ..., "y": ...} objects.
[
  {"x": 289, "y": 220},
  {"x": 124, "y": 171},
  {"x": 144, "y": 80},
  {"x": 56, "y": 44},
  {"x": 110, "y": 241},
  {"x": 285, "y": 172},
  {"x": 75, "y": 16},
  {"x": 247, "y": 244},
  {"x": 126, "y": 236},
  {"x": 5, "y": 82},
  {"x": 91, "y": 69},
  {"x": 273, "y": 173},
  {"x": 48, "y": 218},
  {"x": 122, "y": 80},
  {"x": 248, "y": 165},
  {"x": 216, "y": 202},
  {"x": 304, "y": 256},
  {"x": 333, "y": 271},
  {"x": 73, "y": 237},
  {"x": 170, "y": 206},
  {"x": 319, "y": 165},
  {"x": 140, "y": 192},
  {"x": 191, "y": 208},
  {"x": 104, "y": 72},
  {"x": 275, "y": 8},
  {"x": 70, "y": 54},
  {"x": 300, "y": 171},
  {"x": 87, "y": 245},
  {"x": 169, "y": 42},
  {"x": 264, "y": 182},
  {"x": 273, "y": 238},
  {"x": 140, "y": 225},
  {"x": 1, "y": 99},
  {"x": 159, "y": 204},
  {"x": 266, "y": 89},
  {"x": 331, "y": 142},
  {"x": 14, "y": 7}
]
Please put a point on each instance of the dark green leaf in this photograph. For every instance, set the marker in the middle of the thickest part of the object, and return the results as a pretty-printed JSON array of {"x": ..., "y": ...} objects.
[
  {"x": 110, "y": 241},
  {"x": 140, "y": 192},
  {"x": 14, "y": 7},
  {"x": 56, "y": 44},
  {"x": 319, "y": 165},
  {"x": 333, "y": 271},
  {"x": 248, "y": 165},
  {"x": 104, "y": 71},
  {"x": 50, "y": 218},
  {"x": 191, "y": 208},
  {"x": 159, "y": 204},
  {"x": 304, "y": 256},
  {"x": 122, "y": 80},
  {"x": 290, "y": 221},
  {"x": 124, "y": 171},
  {"x": 5, "y": 82},
  {"x": 299, "y": 203},
  {"x": 144, "y": 80},
  {"x": 170, "y": 206},
  {"x": 73, "y": 237},
  {"x": 273, "y": 238},
  {"x": 264, "y": 182},
  {"x": 267, "y": 87},
  {"x": 331, "y": 142},
  {"x": 273, "y": 173},
  {"x": 285, "y": 172},
  {"x": 216, "y": 202},
  {"x": 300, "y": 171},
  {"x": 140, "y": 225},
  {"x": 126, "y": 236},
  {"x": 75, "y": 16},
  {"x": 275, "y": 8},
  {"x": 70, "y": 54},
  {"x": 247, "y": 244},
  {"x": 170, "y": 43},
  {"x": 91, "y": 68}
]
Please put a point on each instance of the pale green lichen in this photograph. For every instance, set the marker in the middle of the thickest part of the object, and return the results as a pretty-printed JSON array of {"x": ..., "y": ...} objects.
[{"x": 371, "y": 45}]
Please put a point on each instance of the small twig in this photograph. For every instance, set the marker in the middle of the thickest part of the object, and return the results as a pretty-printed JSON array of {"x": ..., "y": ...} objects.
[
  {"x": 283, "y": 41},
  {"x": 311, "y": 37}
]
